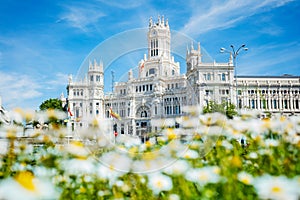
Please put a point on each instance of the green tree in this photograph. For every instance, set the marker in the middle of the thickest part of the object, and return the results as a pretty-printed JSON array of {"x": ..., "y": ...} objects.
[
  {"x": 52, "y": 104},
  {"x": 55, "y": 104},
  {"x": 226, "y": 108}
]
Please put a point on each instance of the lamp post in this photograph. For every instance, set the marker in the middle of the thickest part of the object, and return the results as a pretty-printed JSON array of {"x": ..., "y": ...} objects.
[{"x": 234, "y": 53}]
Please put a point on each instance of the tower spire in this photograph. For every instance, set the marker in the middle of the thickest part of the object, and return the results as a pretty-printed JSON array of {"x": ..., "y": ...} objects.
[{"x": 150, "y": 22}]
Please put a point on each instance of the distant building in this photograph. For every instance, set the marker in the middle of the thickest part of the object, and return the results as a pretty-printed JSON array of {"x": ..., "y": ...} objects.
[
  {"x": 160, "y": 91},
  {"x": 86, "y": 98}
]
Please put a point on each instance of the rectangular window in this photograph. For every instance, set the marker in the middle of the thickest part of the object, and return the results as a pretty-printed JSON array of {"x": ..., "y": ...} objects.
[
  {"x": 98, "y": 78},
  {"x": 275, "y": 104},
  {"x": 208, "y": 77},
  {"x": 264, "y": 103},
  {"x": 285, "y": 104},
  {"x": 223, "y": 77},
  {"x": 252, "y": 103}
]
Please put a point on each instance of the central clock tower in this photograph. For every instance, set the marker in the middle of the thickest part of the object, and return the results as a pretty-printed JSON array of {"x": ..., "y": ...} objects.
[
  {"x": 159, "y": 62},
  {"x": 158, "y": 39}
]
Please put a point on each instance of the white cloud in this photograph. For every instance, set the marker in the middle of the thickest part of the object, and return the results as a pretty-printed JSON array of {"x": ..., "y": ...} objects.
[
  {"x": 82, "y": 16},
  {"x": 21, "y": 90},
  {"x": 261, "y": 61},
  {"x": 129, "y": 4},
  {"x": 59, "y": 79},
  {"x": 223, "y": 15},
  {"x": 16, "y": 89}
]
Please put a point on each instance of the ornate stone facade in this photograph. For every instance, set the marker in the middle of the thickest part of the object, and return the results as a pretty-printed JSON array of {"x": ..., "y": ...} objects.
[
  {"x": 159, "y": 93},
  {"x": 86, "y": 98}
]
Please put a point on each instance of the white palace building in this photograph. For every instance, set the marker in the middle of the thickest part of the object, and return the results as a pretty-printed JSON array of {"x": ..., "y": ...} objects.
[{"x": 160, "y": 92}]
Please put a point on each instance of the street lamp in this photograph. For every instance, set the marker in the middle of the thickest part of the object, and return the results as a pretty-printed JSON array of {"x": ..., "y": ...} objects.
[{"x": 234, "y": 54}]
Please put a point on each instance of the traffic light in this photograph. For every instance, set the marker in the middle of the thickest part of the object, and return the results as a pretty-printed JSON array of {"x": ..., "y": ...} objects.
[{"x": 115, "y": 127}]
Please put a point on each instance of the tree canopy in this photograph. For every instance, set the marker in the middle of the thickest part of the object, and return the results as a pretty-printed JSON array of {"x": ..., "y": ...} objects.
[
  {"x": 51, "y": 104},
  {"x": 226, "y": 108}
]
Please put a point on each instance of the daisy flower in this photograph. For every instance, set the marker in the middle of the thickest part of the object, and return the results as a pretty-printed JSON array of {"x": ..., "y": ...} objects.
[
  {"x": 28, "y": 187},
  {"x": 177, "y": 168},
  {"x": 117, "y": 161},
  {"x": 189, "y": 154},
  {"x": 158, "y": 182},
  {"x": 203, "y": 175},
  {"x": 245, "y": 178},
  {"x": 271, "y": 187}
]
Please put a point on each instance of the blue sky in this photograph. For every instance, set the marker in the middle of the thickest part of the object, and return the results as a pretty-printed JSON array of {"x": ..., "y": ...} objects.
[{"x": 42, "y": 42}]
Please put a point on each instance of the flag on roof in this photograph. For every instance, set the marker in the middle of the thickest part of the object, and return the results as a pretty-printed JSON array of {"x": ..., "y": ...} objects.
[
  {"x": 114, "y": 115},
  {"x": 141, "y": 65},
  {"x": 69, "y": 111}
]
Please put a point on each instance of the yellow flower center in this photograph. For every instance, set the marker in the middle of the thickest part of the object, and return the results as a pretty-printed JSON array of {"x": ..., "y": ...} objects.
[
  {"x": 77, "y": 143},
  {"x": 203, "y": 177},
  {"x": 159, "y": 184},
  {"x": 112, "y": 167},
  {"x": 25, "y": 178},
  {"x": 246, "y": 180},
  {"x": 276, "y": 189},
  {"x": 235, "y": 132},
  {"x": 148, "y": 144},
  {"x": 236, "y": 161},
  {"x": 150, "y": 155}
]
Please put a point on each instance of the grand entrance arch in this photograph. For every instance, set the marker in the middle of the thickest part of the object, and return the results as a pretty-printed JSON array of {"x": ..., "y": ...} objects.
[{"x": 143, "y": 119}]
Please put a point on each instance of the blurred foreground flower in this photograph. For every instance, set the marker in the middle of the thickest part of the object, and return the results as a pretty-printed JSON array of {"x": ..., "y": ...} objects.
[
  {"x": 26, "y": 186},
  {"x": 270, "y": 187},
  {"x": 158, "y": 182}
]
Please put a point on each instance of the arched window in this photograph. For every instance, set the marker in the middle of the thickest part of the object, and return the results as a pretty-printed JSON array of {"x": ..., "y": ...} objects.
[
  {"x": 151, "y": 71},
  {"x": 143, "y": 113}
]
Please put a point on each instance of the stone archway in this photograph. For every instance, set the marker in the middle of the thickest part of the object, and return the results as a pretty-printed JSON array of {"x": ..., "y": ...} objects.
[
  {"x": 143, "y": 125},
  {"x": 143, "y": 112}
]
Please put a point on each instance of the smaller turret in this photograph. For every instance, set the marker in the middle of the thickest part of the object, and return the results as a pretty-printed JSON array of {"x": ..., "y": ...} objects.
[
  {"x": 193, "y": 56},
  {"x": 95, "y": 73}
]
